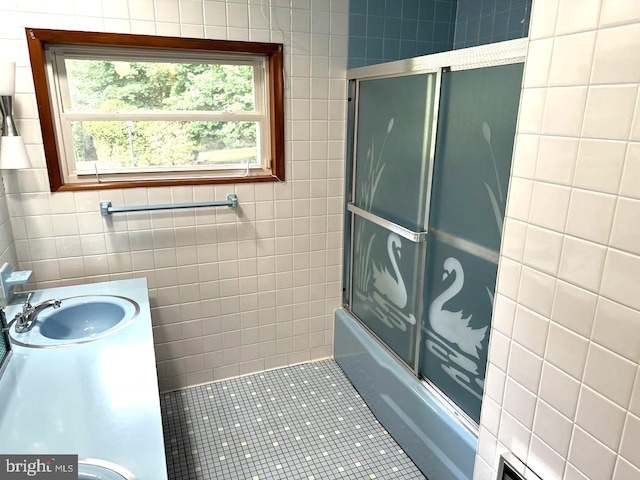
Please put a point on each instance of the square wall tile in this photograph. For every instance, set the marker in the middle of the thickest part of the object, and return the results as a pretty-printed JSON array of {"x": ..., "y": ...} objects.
[
  {"x": 504, "y": 314},
  {"x": 525, "y": 368},
  {"x": 609, "y": 112},
  {"x": 591, "y": 456},
  {"x": 531, "y": 111},
  {"x": 618, "y": 329},
  {"x": 631, "y": 440},
  {"x": 630, "y": 184},
  {"x": 582, "y": 263},
  {"x": 545, "y": 461},
  {"x": 572, "y": 59},
  {"x": 635, "y": 397},
  {"x": 543, "y": 19},
  {"x": 599, "y": 165},
  {"x": 590, "y": 215},
  {"x": 538, "y": 63},
  {"x": 626, "y": 228},
  {"x": 514, "y": 435},
  {"x": 625, "y": 470},
  {"x": 617, "y": 12},
  {"x": 566, "y": 350},
  {"x": 600, "y": 417},
  {"x": 542, "y": 249},
  {"x": 617, "y": 56},
  {"x": 531, "y": 330},
  {"x": 536, "y": 291},
  {"x": 525, "y": 155},
  {"x": 549, "y": 206},
  {"x": 519, "y": 196},
  {"x": 620, "y": 281},
  {"x": 574, "y": 308},
  {"x": 576, "y": 17},
  {"x": 553, "y": 428},
  {"x": 559, "y": 390},
  {"x": 557, "y": 159},
  {"x": 564, "y": 111},
  {"x": 610, "y": 375},
  {"x": 500, "y": 350},
  {"x": 515, "y": 233}
]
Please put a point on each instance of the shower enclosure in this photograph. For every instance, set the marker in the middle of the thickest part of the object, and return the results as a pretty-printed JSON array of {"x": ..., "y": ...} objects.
[{"x": 428, "y": 172}]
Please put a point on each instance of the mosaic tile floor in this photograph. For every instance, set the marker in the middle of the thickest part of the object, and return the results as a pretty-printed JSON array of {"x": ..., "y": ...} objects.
[{"x": 304, "y": 422}]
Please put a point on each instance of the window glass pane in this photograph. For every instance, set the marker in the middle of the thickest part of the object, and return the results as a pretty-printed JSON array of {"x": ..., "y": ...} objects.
[
  {"x": 139, "y": 144},
  {"x": 105, "y": 85}
]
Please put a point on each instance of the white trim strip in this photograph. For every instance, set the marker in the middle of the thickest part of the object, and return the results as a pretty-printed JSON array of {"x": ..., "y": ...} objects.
[{"x": 500, "y": 53}]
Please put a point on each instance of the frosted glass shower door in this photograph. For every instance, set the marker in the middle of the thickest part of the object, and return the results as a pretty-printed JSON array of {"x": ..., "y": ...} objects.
[
  {"x": 476, "y": 130},
  {"x": 390, "y": 193}
]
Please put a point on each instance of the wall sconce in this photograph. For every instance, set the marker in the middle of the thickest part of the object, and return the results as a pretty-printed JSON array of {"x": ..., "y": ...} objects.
[{"x": 13, "y": 155}]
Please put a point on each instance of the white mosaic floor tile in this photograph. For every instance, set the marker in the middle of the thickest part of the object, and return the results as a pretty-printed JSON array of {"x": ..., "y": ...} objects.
[{"x": 312, "y": 425}]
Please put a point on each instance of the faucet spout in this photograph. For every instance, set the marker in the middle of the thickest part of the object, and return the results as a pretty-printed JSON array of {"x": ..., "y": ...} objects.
[
  {"x": 55, "y": 303},
  {"x": 26, "y": 319}
]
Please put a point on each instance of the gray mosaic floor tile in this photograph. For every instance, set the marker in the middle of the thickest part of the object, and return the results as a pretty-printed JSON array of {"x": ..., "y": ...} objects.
[{"x": 305, "y": 422}]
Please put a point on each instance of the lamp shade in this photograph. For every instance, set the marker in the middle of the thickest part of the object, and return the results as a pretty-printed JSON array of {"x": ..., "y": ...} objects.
[
  {"x": 7, "y": 78},
  {"x": 13, "y": 155}
]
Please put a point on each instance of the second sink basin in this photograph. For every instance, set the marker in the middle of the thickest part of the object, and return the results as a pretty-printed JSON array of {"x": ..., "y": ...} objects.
[
  {"x": 95, "y": 469},
  {"x": 79, "y": 319}
]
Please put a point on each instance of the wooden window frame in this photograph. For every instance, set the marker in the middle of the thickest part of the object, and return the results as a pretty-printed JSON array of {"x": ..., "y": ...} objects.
[{"x": 39, "y": 39}]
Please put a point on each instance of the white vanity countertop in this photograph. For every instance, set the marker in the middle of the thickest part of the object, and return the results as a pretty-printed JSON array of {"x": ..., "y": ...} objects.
[{"x": 97, "y": 399}]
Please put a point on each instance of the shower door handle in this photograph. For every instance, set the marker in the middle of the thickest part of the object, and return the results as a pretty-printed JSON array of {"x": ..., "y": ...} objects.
[{"x": 415, "y": 237}]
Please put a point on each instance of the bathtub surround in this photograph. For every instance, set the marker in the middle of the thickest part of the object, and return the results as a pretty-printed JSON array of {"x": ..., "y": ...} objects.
[
  {"x": 563, "y": 381},
  {"x": 232, "y": 291}
]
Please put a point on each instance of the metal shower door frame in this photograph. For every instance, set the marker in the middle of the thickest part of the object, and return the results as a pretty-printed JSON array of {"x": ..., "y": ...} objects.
[
  {"x": 351, "y": 210},
  {"x": 502, "y": 53}
]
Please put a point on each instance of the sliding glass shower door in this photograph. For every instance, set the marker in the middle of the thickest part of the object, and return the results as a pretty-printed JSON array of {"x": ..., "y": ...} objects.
[
  {"x": 431, "y": 160},
  {"x": 392, "y": 172},
  {"x": 476, "y": 130}
]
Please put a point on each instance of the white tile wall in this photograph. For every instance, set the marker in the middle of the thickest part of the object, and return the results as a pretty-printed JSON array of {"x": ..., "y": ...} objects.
[
  {"x": 232, "y": 292},
  {"x": 7, "y": 244},
  {"x": 563, "y": 384}
]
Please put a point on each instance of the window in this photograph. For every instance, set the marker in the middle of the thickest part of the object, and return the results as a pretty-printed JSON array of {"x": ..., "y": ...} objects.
[{"x": 121, "y": 110}]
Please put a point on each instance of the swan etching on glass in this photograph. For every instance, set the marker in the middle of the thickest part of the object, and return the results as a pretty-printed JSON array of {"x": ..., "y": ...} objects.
[
  {"x": 452, "y": 326},
  {"x": 391, "y": 286}
]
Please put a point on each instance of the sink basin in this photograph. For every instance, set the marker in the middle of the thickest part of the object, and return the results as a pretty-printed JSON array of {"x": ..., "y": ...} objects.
[
  {"x": 95, "y": 469},
  {"x": 82, "y": 320},
  {"x": 79, "y": 319}
]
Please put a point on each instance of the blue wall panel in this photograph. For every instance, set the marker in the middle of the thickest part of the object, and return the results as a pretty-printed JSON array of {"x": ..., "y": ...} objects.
[
  {"x": 479, "y": 22},
  {"x": 387, "y": 30}
]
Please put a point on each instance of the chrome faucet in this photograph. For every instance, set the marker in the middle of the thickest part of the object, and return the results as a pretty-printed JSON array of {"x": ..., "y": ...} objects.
[{"x": 26, "y": 319}]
